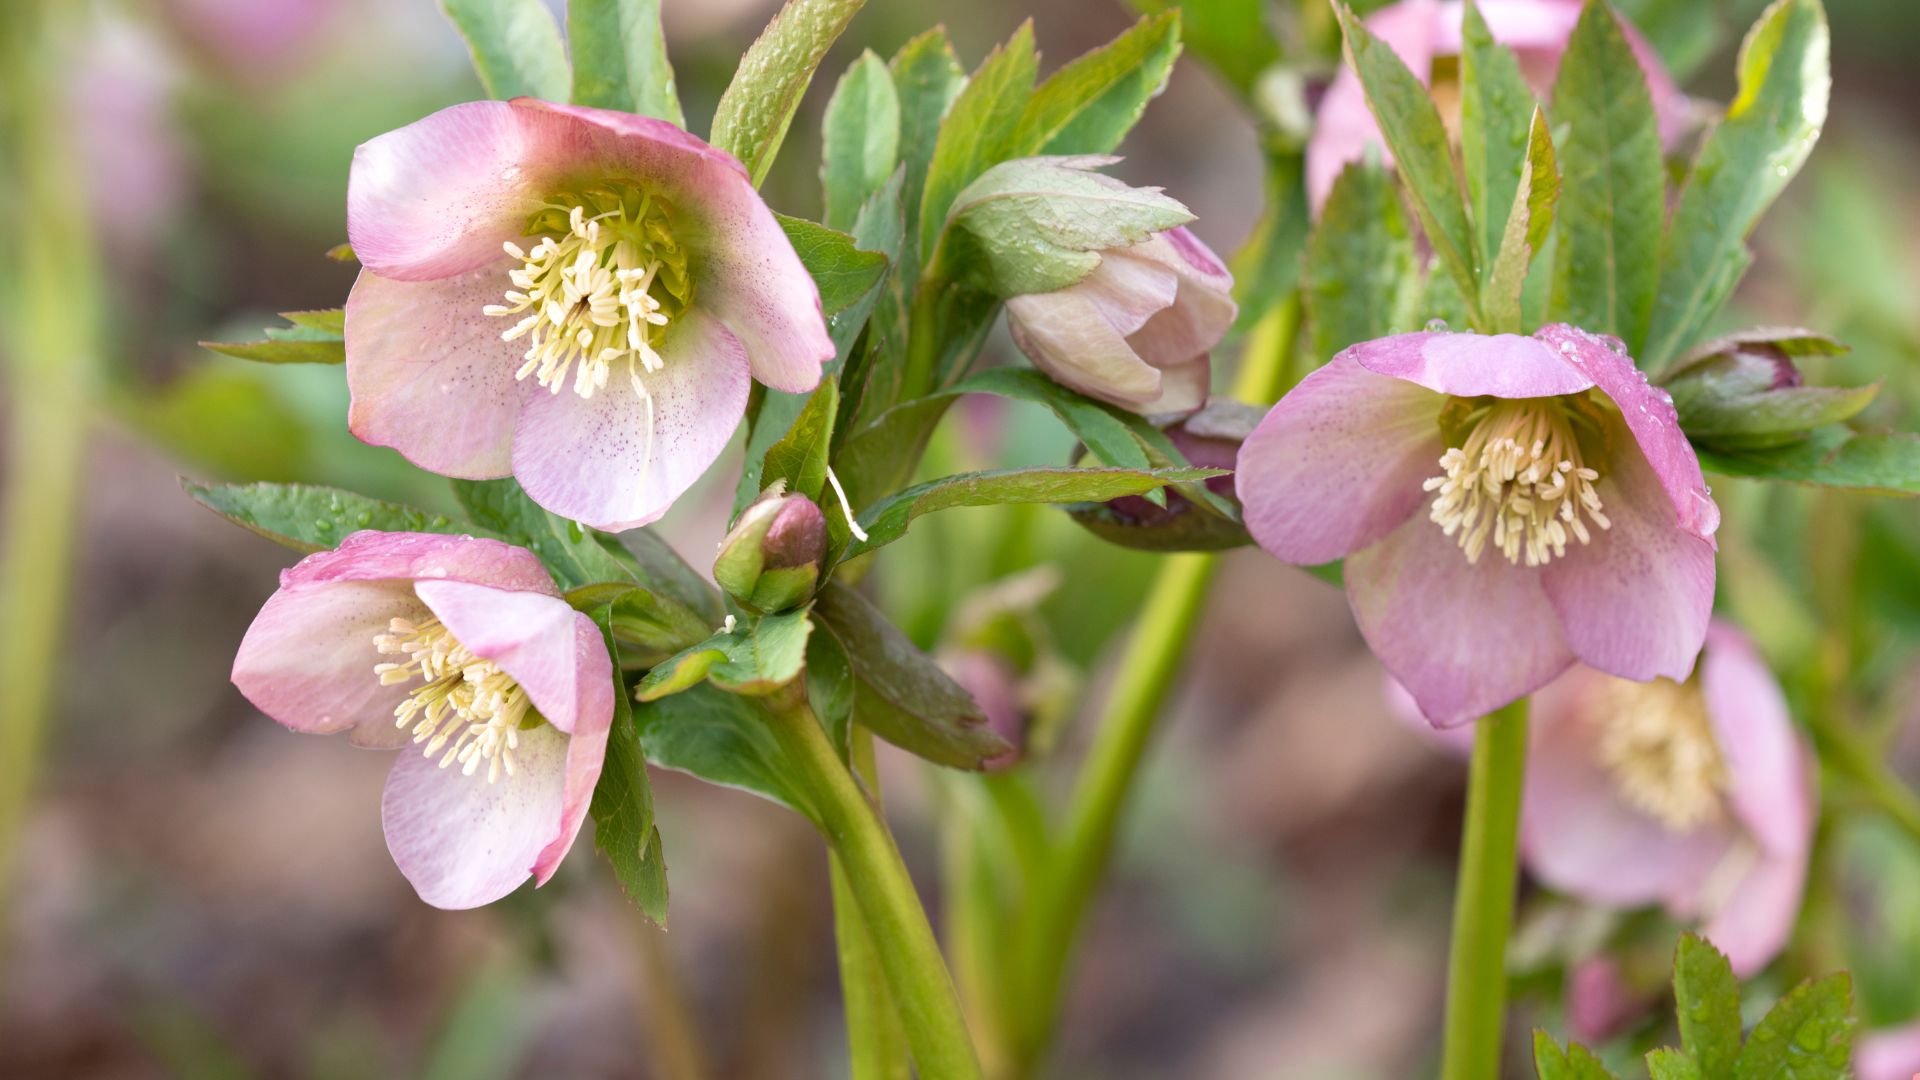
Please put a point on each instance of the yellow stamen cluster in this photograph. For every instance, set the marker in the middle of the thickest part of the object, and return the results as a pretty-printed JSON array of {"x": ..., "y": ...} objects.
[
  {"x": 598, "y": 286},
  {"x": 467, "y": 709},
  {"x": 1657, "y": 741},
  {"x": 1518, "y": 482}
]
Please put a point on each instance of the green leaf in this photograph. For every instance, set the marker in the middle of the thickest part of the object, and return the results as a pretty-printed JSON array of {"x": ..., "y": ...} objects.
[
  {"x": 1707, "y": 1001},
  {"x": 316, "y": 337},
  {"x": 1042, "y": 222},
  {"x": 570, "y": 551},
  {"x": 900, "y": 694},
  {"x": 1766, "y": 136},
  {"x": 799, "y": 459},
  {"x": 887, "y": 520},
  {"x": 1807, "y": 1035},
  {"x": 928, "y": 78},
  {"x": 765, "y": 656},
  {"x": 309, "y": 518},
  {"x": 1574, "y": 1063},
  {"x": 1667, "y": 1063},
  {"x": 652, "y": 626},
  {"x": 860, "y": 138},
  {"x": 1359, "y": 270},
  {"x": 1497, "y": 114},
  {"x": 622, "y": 805},
  {"x": 979, "y": 129},
  {"x": 758, "y": 105},
  {"x": 1836, "y": 456},
  {"x": 843, "y": 273},
  {"x": 1230, "y": 35},
  {"x": 666, "y": 574},
  {"x": 620, "y": 58},
  {"x": 1724, "y": 417},
  {"x": 1614, "y": 197},
  {"x": 1089, "y": 106},
  {"x": 1528, "y": 223},
  {"x": 721, "y": 738},
  {"x": 516, "y": 47},
  {"x": 1098, "y": 426},
  {"x": 1413, "y": 131}
]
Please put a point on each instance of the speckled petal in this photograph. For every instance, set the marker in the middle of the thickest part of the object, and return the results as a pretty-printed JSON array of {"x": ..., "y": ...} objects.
[{"x": 1470, "y": 365}]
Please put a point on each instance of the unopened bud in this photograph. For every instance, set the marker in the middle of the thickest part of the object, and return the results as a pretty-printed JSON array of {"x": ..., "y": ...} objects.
[{"x": 770, "y": 560}]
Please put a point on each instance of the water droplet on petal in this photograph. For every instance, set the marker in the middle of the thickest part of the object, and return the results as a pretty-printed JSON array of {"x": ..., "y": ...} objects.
[{"x": 1437, "y": 326}]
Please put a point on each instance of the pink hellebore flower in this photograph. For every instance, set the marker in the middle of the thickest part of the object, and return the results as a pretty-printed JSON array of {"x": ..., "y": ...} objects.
[
  {"x": 1506, "y": 505},
  {"x": 1424, "y": 32},
  {"x": 571, "y": 295},
  {"x": 1136, "y": 331},
  {"x": 462, "y": 646},
  {"x": 1694, "y": 795}
]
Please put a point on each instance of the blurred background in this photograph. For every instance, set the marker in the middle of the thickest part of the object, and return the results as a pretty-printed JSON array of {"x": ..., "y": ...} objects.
[{"x": 199, "y": 893}]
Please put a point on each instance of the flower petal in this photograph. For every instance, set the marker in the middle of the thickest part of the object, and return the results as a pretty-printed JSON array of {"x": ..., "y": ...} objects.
[
  {"x": 1078, "y": 335},
  {"x": 463, "y": 842},
  {"x": 1463, "y": 638},
  {"x": 600, "y": 460},
  {"x": 554, "y": 652},
  {"x": 1888, "y": 1054},
  {"x": 586, "y": 754},
  {"x": 1202, "y": 309},
  {"x": 1338, "y": 463},
  {"x": 1635, "y": 601},
  {"x": 371, "y": 555},
  {"x": 1470, "y": 365},
  {"x": 1755, "y": 920},
  {"x": 1651, "y": 418},
  {"x": 429, "y": 374},
  {"x": 1767, "y": 762},
  {"x": 1343, "y": 127},
  {"x": 1184, "y": 388},
  {"x": 439, "y": 196},
  {"x": 307, "y": 660},
  {"x": 1577, "y": 834}
]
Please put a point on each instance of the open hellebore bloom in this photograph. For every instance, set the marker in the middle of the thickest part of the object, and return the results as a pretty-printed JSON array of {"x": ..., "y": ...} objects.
[
  {"x": 1137, "y": 330},
  {"x": 460, "y": 653},
  {"x": 1425, "y": 34},
  {"x": 570, "y": 295},
  {"x": 1506, "y": 505},
  {"x": 1695, "y": 795}
]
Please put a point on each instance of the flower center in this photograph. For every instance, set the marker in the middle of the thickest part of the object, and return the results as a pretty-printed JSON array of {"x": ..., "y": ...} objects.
[
  {"x": 598, "y": 287},
  {"x": 466, "y": 709},
  {"x": 1657, "y": 741},
  {"x": 1519, "y": 480}
]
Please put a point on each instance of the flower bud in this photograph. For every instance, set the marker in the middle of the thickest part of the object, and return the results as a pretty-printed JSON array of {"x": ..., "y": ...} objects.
[
  {"x": 1209, "y": 439},
  {"x": 770, "y": 560},
  {"x": 1745, "y": 391}
]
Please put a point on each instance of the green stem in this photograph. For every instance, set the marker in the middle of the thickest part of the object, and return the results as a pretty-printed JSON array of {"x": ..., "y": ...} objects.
[
  {"x": 876, "y": 1047},
  {"x": 916, "y": 973},
  {"x": 673, "y": 1034},
  {"x": 1483, "y": 898},
  {"x": 1852, "y": 754}
]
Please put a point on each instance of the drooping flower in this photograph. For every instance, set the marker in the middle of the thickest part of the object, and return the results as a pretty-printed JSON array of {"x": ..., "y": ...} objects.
[
  {"x": 460, "y": 653},
  {"x": 571, "y": 295},
  {"x": 1136, "y": 331},
  {"x": 1506, "y": 505},
  {"x": 1425, "y": 32},
  {"x": 1696, "y": 795}
]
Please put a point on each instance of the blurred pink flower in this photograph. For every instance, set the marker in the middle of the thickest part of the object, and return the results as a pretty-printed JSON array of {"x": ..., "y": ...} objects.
[
  {"x": 465, "y": 646},
  {"x": 1422, "y": 32},
  {"x": 1697, "y": 796},
  {"x": 1888, "y": 1054},
  {"x": 574, "y": 296},
  {"x": 120, "y": 109},
  {"x": 995, "y": 687},
  {"x": 257, "y": 38},
  {"x": 1136, "y": 331},
  {"x": 1559, "y": 524},
  {"x": 1599, "y": 1002}
]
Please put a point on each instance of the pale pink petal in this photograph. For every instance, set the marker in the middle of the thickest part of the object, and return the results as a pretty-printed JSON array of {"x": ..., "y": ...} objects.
[
  {"x": 371, "y": 555},
  {"x": 1600, "y": 1004},
  {"x": 307, "y": 660},
  {"x": 586, "y": 754},
  {"x": 554, "y": 652},
  {"x": 601, "y": 461},
  {"x": 1635, "y": 601},
  {"x": 1463, "y": 638},
  {"x": 1650, "y": 416},
  {"x": 1888, "y": 1054},
  {"x": 1579, "y": 836},
  {"x": 1202, "y": 309},
  {"x": 1078, "y": 335},
  {"x": 1338, "y": 463},
  {"x": 1184, "y": 388},
  {"x": 1767, "y": 763},
  {"x": 1752, "y": 924},
  {"x": 430, "y": 375},
  {"x": 463, "y": 842},
  {"x": 1470, "y": 365}
]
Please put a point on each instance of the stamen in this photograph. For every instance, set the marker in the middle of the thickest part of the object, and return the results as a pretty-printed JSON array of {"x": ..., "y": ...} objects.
[
  {"x": 1657, "y": 741},
  {"x": 466, "y": 710},
  {"x": 1518, "y": 481}
]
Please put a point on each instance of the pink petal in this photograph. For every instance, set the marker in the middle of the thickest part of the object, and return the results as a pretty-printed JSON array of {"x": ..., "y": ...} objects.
[
  {"x": 1202, "y": 309},
  {"x": 1470, "y": 365},
  {"x": 1184, "y": 388},
  {"x": 592, "y": 460},
  {"x": 586, "y": 753},
  {"x": 1600, "y": 1004},
  {"x": 1755, "y": 920},
  {"x": 1078, "y": 335},
  {"x": 1650, "y": 417},
  {"x": 307, "y": 660},
  {"x": 463, "y": 842},
  {"x": 429, "y": 373},
  {"x": 1888, "y": 1054},
  {"x": 1343, "y": 127},
  {"x": 554, "y": 652},
  {"x": 1463, "y": 638},
  {"x": 1338, "y": 463},
  {"x": 1576, "y": 833},
  {"x": 1635, "y": 601},
  {"x": 1767, "y": 762},
  {"x": 371, "y": 555}
]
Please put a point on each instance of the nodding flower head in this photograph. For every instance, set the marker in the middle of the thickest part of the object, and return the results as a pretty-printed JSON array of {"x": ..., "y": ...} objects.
[
  {"x": 460, "y": 653},
  {"x": 576, "y": 297}
]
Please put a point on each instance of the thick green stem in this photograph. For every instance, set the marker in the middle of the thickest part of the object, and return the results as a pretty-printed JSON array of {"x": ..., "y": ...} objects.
[
  {"x": 876, "y": 1047},
  {"x": 51, "y": 337},
  {"x": 1483, "y": 897},
  {"x": 916, "y": 973}
]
